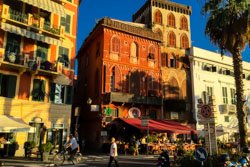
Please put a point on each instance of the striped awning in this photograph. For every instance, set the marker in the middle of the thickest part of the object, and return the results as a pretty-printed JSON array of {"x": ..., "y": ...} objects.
[
  {"x": 47, "y": 5},
  {"x": 29, "y": 34}
]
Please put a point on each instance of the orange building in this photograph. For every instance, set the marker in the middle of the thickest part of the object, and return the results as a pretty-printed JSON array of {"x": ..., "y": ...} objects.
[
  {"x": 135, "y": 69},
  {"x": 118, "y": 76},
  {"x": 37, "y": 51}
]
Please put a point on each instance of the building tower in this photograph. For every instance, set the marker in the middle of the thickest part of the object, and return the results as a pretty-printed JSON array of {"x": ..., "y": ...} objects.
[{"x": 172, "y": 21}]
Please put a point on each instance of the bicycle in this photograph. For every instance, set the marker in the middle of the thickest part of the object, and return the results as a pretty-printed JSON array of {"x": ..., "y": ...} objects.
[{"x": 60, "y": 158}]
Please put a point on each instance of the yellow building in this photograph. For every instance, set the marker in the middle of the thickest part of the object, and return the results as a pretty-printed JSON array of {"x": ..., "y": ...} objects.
[{"x": 37, "y": 51}]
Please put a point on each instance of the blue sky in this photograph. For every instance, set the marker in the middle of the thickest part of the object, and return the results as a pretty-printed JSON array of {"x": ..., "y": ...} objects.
[{"x": 92, "y": 10}]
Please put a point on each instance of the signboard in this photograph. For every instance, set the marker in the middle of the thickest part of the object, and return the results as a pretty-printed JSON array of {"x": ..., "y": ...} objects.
[
  {"x": 94, "y": 107},
  {"x": 200, "y": 154},
  {"x": 206, "y": 111},
  {"x": 104, "y": 133}
]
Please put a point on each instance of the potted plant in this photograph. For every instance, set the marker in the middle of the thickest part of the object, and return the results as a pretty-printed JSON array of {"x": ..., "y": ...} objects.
[
  {"x": 46, "y": 148},
  {"x": 28, "y": 146}
]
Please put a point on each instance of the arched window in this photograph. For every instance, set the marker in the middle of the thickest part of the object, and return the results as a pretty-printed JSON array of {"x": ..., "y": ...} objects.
[
  {"x": 184, "y": 41},
  {"x": 158, "y": 17},
  {"x": 115, "y": 44},
  {"x": 115, "y": 81},
  {"x": 171, "y": 39},
  {"x": 184, "y": 23},
  {"x": 112, "y": 80},
  {"x": 134, "y": 50},
  {"x": 171, "y": 20},
  {"x": 151, "y": 52},
  {"x": 173, "y": 89}
]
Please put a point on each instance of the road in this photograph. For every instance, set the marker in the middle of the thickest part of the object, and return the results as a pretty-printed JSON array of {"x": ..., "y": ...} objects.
[{"x": 91, "y": 161}]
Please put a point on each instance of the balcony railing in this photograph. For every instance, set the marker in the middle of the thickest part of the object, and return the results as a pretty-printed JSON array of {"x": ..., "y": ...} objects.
[
  {"x": 18, "y": 16},
  {"x": 36, "y": 22}
]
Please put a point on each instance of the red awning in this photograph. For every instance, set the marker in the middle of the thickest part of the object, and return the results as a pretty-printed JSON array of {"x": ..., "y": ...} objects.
[
  {"x": 159, "y": 126},
  {"x": 178, "y": 126}
]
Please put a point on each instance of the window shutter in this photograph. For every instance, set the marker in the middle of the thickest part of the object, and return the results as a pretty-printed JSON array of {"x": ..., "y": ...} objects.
[
  {"x": 163, "y": 59},
  {"x": 69, "y": 94},
  {"x": 177, "y": 61},
  {"x": 167, "y": 60},
  {"x": 52, "y": 91},
  {"x": 11, "y": 86}
]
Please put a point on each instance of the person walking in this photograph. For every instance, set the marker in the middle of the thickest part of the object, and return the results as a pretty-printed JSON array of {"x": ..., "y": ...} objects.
[{"x": 113, "y": 153}]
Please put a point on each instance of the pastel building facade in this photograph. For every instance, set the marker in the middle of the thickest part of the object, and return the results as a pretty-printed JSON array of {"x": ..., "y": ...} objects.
[
  {"x": 37, "y": 51},
  {"x": 212, "y": 75}
]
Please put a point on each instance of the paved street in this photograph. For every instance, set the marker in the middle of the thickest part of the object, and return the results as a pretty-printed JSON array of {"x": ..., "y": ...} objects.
[{"x": 90, "y": 161}]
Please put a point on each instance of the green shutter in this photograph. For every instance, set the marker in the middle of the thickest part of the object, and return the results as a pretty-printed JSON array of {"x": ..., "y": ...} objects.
[
  {"x": 52, "y": 91},
  {"x": 11, "y": 89},
  {"x": 69, "y": 95}
]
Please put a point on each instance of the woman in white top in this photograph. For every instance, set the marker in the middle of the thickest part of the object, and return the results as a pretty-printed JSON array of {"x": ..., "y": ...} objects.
[{"x": 113, "y": 153}]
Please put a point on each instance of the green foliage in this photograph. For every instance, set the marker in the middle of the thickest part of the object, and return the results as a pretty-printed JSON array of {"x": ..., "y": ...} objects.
[{"x": 47, "y": 147}]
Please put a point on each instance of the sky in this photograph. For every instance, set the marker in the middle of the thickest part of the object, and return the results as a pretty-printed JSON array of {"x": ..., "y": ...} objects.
[{"x": 90, "y": 11}]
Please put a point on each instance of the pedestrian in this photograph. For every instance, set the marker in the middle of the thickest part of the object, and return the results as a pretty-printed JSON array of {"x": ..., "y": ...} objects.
[
  {"x": 2, "y": 142},
  {"x": 113, "y": 153}
]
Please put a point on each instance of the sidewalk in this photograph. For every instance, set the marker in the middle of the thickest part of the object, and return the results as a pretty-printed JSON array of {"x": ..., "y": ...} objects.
[{"x": 87, "y": 158}]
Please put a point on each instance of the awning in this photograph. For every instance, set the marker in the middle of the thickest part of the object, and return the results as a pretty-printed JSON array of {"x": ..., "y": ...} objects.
[
  {"x": 178, "y": 126},
  {"x": 62, "y": 80},
  {"x": 12, "y": 124},
  {"x": 29, "y": 34},
  {"x": 47, "y": 5},
  {"x": 159, "y": 126}
]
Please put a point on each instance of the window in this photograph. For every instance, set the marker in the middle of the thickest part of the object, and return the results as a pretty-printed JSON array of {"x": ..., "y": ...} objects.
[
  {"x": 226, "y": 118},
  {"x": 134, "y": 50},
  {"x": 151, "y": 52},
  {"x": 184, "y": 23},
  {"x": 38, "y": 92},
  {"x": 112, "y": 80},
  {"x": 171, "y": 39},
  {"x": 61, "y": 94},
  {"x": 184, "y": 41},
  {"x": 210, "y": 91},
  {"x": 63, "y": 56},
  {"x": 158, "y": 17},
  {"x": 7, "y": 85},
  {"x": 171, "y": 20},
  {"x": 65, "y": 21},
  {"x": 224, "y": 95},
  {"x": 233, "y": 97},
  {"x": 42, "y": 51},
  {"x": 115, "y": 45},
  {"x": 12, "y": 45},
  {"x": 173, "y": 62}
]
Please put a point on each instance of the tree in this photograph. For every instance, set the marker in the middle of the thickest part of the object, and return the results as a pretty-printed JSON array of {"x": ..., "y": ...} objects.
[{"x": 228, "y": 27}]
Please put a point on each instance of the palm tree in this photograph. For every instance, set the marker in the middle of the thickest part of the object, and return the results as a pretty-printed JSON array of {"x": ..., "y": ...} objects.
[{"x": 228, "y": 27}]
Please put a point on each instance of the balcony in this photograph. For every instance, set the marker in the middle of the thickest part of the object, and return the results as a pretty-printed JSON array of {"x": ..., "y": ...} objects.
[
  {"x": 22, "y": 62},
  {"x": 131, "y": 98},
  {"x": 31, "y": 26}
]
